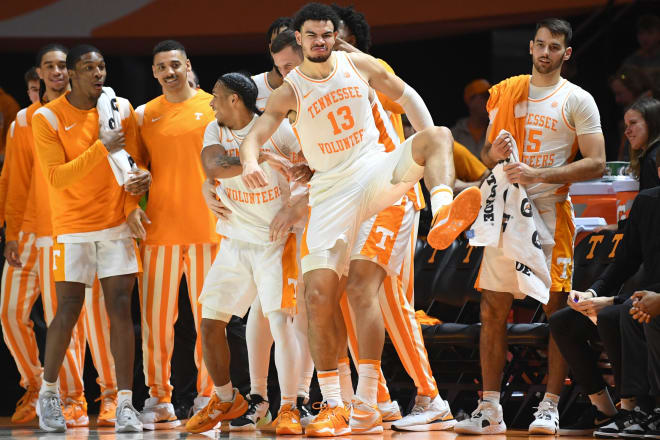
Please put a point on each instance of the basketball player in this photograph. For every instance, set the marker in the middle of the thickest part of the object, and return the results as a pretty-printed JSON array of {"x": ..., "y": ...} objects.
[
  {"x": 286, "y": 55},
  {"x": 355, "y": 178},
  {"x": 32, "y": 83},
  {"x": 180, "y": 237},
  {"x": 386, "y": 240},
  {"x": 29, "y": 271},
  {"x": 91, "y": 216},
  {"x": 559, "y": 120},
  {"x": 270, "y": 80},
  {"x": 252, "y": 261}
]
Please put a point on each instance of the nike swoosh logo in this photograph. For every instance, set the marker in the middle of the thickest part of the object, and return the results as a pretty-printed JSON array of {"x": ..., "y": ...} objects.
[
  {"x": 155, "y": 119},
  {"x": 69, "y": 127},
  {"x": 305, "y": 96},
  {"x": 598, "y": 422},
  {"x": 544, "y": 211}
]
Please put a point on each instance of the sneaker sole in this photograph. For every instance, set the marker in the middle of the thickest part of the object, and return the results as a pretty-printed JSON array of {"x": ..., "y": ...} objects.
[
  {"x": 626, "y": 435},
  {"x": 129, "y": 428},
  {"x": 540, "y": 430},
  {"x": 232, "y": 414},
  {"x": 81, "y": 422},
  {"x": 50, "y": 428},
  {"x": 169, "y": 424},
  {"x": 289, "y": 431},
  {"x": 242, "y": 428},
  {"x": 576, "y": 431},
  {"x": 494, "y": 429},
  {"x": 329, "y": 433},
  {"x": 105, "y": 422},
  {"x": 656, "y": 436},
  {"x": 437, "y": 425},
  {"x": 373, "y": 430},
  {"x": 464, "y": 212},
  {"x": 598, "y": 434}
]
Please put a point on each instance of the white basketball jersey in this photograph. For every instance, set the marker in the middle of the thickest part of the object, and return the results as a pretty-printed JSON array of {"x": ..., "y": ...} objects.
[
  {"x": 251, "y": 210},
  {"x": 265, "y": 90},
  {"x": 550, "y": 141},
  {"x": 334, "y": 122}
]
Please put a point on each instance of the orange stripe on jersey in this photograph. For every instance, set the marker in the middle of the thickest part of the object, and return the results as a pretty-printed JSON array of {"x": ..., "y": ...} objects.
[
  {"x": 307, "y": 78},
  {"x": 289, "y": 273},
  {"x": 350, "y": 63},
  {"x": 383, "y": 136},
  {"x": 551, "y": 94}
]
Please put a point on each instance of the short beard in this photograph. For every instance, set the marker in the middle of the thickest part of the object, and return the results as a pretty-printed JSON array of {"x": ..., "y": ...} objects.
[
  {"x": 321, "y": 59},
  {"x": 545, "y": 70}
]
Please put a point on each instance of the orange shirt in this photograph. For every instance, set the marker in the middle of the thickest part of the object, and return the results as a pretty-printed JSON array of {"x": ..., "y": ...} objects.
[
  {"x": 21, "y": 210},
  {"x": 8, "y": 107},
  {"x": 172, "y": 135},
  {"x": 4, "y": 177},
  {"x": 84, "y": 194},
  {"x": 468, "y": 167}
]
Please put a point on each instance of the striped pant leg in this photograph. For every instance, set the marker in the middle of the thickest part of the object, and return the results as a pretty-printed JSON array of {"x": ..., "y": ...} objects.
[
  {"x": 406, "y": 335},
  {"x": 97, "y": 330},
  {"x": 198, "y": 259},
  {"x": 159, "y": 290},
  {"x": 19, "y": 292},
  {"x": 71, "y": 373}
]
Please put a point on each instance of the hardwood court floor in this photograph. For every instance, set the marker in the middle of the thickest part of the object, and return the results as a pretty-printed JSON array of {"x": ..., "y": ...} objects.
[{"x": 31, "y": 431}]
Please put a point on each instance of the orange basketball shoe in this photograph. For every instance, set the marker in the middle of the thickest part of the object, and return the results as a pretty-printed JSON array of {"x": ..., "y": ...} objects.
[
  {"x": 216, "y": 411},
  {"x": 107, "y": 411},
  {"x": 365, "y": 419},
  {"x": 452, "y": 219},
  {"x": 74, "y": 410},
  {"x": 330, "y": 422},
  {"x": 288, "y": 421},
  {"x": 26, "y": 407}
]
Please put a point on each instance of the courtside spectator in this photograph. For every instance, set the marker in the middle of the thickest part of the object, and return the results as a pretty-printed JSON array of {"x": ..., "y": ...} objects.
[
  {"x": 471, "y": 130},
  {"x": 643, "y": 132},
  {"x": 32, "y": 83}
]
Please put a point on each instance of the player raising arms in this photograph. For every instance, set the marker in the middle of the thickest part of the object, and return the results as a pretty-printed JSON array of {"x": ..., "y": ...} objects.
[
  {"x": 252, "y": 260},
  {"x": 331, "y": 93}
]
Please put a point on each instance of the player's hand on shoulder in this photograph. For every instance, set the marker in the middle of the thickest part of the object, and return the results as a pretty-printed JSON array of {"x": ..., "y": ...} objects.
[
  {"x": 216, "y": 206},
  {"x": 113, "y": 140},
  {"x": 138, "y": 183},
  {"x": 135, "y": 220}
]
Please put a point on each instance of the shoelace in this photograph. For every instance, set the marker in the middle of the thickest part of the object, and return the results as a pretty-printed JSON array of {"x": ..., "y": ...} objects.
[
  {"x": 324, "y": 410},
  {"x": 481, "y": 408},
  {"x": 544, "y": 408},
  {"x": 128, "y": 412},
  {"x": 54, "y": 407}
]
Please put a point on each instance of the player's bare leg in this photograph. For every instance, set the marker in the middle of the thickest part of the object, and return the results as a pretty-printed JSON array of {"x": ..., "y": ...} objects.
[{"x": 433, "y": 148}]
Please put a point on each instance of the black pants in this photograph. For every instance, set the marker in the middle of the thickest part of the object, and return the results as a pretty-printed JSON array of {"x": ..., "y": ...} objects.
[
  {"x": 641, "y": 355},
  {"x": 578, "y": 340}
]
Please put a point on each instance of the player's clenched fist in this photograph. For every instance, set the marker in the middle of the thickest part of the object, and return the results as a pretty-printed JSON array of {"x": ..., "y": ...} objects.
[{"x": 253, "y": 176}]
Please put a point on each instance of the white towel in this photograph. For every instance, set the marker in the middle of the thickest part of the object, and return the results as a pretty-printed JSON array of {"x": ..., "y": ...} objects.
[
  {"x": 120, "y": 161},
  {"x": 509, "y": 220}
]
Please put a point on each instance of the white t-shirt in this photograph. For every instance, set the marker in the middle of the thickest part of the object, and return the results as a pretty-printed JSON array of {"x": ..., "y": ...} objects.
[{"x": 252, "y": 210}]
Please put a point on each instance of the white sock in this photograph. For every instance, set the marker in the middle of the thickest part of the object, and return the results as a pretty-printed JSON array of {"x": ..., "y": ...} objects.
[
  {"x": 628, "y": 403},
  {"x": 124, "y": 396},
  {"x": 48, "y": 386},
  {"x": 345, "y": 379},
  {"x": 441, "y": 195},
  {"x": 259, "y": 342},
  {"x": 306, "y": 362},
  {"x": 287, "y": 353},
  {"x": 330, "y": 389},
  {"x": 491, "y": 396},
  {"x": 368, "y": 374},
  {"x": 552, "y": 398},
  {"x": 225, "y": 392},
  {"x": 603, "y": 402}
]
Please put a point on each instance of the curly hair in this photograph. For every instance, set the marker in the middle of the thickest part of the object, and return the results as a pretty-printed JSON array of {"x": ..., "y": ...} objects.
[
  {"x": 316, "y": 12},
  {"x": 358, "y": 25}
]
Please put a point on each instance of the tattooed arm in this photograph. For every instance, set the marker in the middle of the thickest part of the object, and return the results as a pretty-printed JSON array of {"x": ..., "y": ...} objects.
[{"x": 217, "y": 165}]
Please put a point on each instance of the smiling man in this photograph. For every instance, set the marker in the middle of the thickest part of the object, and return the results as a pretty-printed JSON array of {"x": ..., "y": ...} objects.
[
  {"x": 180, "y": 237},
  {"x": 550, "y": 119}
]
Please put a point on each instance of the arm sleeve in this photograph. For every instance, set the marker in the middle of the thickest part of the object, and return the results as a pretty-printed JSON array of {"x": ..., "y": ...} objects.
[
  {"x": 50, "y": 151},
  {"x": 628, "y": 257},
  {"x": 129, "y": 125},
  {"x": 21, "y": 161},
  {"x": 582, "y": 113}
]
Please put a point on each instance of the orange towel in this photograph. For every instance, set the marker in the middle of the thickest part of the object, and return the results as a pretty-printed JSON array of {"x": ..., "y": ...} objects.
[
  {"x": 509, "y": 97},
  {"x": 424, "y": 319}
]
